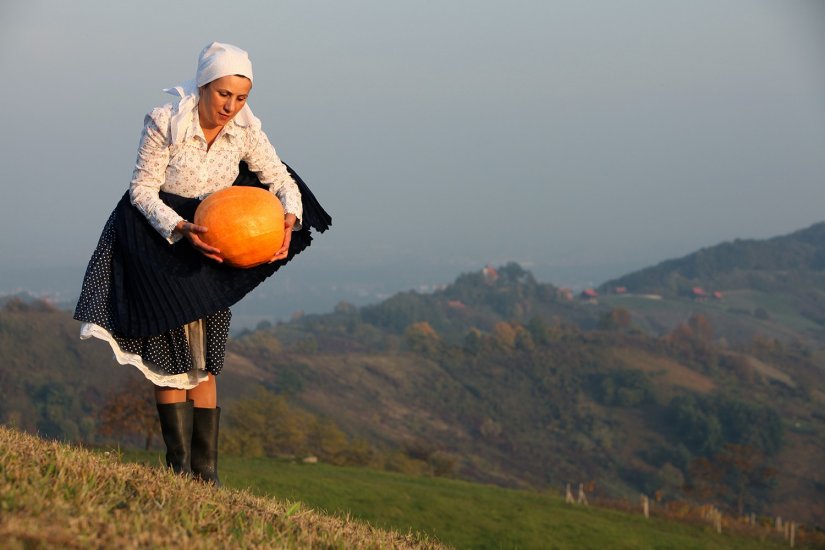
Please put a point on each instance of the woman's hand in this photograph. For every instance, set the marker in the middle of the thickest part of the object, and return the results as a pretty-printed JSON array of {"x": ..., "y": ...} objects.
[
  {"x": 283, "y": 252},
  {"x": 191, "y": 231}
]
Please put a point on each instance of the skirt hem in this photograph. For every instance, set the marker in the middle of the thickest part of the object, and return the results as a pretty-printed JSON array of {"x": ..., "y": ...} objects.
[{"x": 156, "y": 375}]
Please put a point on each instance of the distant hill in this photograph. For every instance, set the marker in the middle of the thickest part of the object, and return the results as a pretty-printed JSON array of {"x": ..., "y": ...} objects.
[
  {"x": 527, "y": 386},
  {"x": 790, "y": 262},
  {"x": 521, "y": 384}
]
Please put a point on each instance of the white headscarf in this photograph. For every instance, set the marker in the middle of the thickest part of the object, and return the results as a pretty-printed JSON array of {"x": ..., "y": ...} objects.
[{"x": 215, "y": 61}]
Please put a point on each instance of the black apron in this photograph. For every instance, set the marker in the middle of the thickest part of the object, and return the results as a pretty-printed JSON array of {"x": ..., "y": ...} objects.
[{"x": 156, "y": 287}]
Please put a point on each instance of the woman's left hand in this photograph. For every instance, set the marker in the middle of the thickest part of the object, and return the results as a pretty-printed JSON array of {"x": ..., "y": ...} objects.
[{"x": 283, "y": 252}]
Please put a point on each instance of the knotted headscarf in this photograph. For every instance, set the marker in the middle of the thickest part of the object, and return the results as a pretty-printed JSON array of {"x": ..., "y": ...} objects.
[{"x": 215, "y": 61}]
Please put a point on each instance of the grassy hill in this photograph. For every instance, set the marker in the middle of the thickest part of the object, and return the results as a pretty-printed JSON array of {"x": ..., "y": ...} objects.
[
  {"x": 57, "y": 496},
  {"x": 468, "y": 515}
]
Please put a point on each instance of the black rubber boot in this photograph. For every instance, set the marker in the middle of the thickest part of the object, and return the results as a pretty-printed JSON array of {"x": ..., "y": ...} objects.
[
  {"x": 205, "y": 445},
  {"x": 176, "y": 426}
]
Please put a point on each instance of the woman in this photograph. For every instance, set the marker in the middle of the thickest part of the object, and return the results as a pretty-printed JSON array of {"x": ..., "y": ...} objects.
[{"x": 156, "y": 292}]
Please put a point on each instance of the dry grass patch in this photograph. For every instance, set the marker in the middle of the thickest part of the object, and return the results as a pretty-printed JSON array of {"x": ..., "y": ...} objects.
[
  {"x": 672, "y": 373},
  {"x": 770, "y": 372},
  {"x": 56, "y": 495}
]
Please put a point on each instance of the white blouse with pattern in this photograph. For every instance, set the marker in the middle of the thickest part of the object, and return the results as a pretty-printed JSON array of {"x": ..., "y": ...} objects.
[{"x": 191, "y": 169}]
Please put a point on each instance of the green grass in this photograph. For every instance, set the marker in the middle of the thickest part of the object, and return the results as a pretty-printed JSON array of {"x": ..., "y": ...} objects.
[
  {"x": 780, "y": 306},
  {"x": 462, "y": 514}
]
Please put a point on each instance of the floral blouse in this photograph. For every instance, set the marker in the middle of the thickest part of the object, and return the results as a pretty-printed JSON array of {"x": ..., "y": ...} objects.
[{"x": 188, "y": 169}]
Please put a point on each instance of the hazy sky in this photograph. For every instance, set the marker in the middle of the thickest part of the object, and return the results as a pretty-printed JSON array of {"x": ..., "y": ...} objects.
[{"x": 561, "y": 134}]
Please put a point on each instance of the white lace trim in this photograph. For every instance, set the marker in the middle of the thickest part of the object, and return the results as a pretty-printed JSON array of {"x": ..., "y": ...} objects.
[{"x": 153, "y": 373}]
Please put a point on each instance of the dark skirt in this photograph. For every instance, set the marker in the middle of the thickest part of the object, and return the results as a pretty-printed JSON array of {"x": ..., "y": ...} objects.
[{"x": 142, "y": 290}]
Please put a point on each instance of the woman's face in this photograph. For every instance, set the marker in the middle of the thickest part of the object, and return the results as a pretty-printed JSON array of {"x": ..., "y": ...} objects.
[{"x": 222, "y": 99}]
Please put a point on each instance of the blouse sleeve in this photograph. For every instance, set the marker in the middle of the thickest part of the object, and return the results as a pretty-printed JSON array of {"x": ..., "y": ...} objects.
[
  {"x": 150, "y": 173},
  {"x": 263, "y": 160}
]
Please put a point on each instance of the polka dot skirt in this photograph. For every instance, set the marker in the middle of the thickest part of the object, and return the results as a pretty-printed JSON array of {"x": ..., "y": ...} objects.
[{"x": 170, "y": 350}]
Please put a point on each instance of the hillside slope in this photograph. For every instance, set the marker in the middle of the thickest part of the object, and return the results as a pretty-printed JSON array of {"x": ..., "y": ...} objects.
[
  {"x": 55, "y": 495},
  {"x": 480, "y": 516},
  {"x": 491, "y": 371},
  {"x": 616, "y": 411},
  {"x": 503, "y": 379}
]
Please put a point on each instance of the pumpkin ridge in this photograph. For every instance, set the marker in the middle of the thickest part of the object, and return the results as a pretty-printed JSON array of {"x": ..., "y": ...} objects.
[{"x": 245, "y": 223}]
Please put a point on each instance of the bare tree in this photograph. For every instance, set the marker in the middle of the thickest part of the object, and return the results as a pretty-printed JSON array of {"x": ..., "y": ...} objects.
[{"x": 733, "y": 473}]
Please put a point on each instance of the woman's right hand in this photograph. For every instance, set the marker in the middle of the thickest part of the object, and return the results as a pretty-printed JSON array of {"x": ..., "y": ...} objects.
[{"x": 191, "y": 231}]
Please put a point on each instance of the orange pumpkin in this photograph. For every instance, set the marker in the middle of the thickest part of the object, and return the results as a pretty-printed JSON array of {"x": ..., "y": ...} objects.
[{"x": 245, "y": 223}]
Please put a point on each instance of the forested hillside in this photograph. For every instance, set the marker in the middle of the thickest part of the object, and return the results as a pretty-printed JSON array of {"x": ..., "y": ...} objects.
[
  {"x": 492, "y": 371},
  {"x": 503, "y": 379},
  {"x": 791, "y": 264}
]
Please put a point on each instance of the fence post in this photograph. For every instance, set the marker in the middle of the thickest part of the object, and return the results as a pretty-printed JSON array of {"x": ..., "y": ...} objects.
[
  {"x": 568, "y": 497},
  {"x": 645, "y": 506},
  {"x": 793, "y": 534},
  {"x": 582, "y": 497}
]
